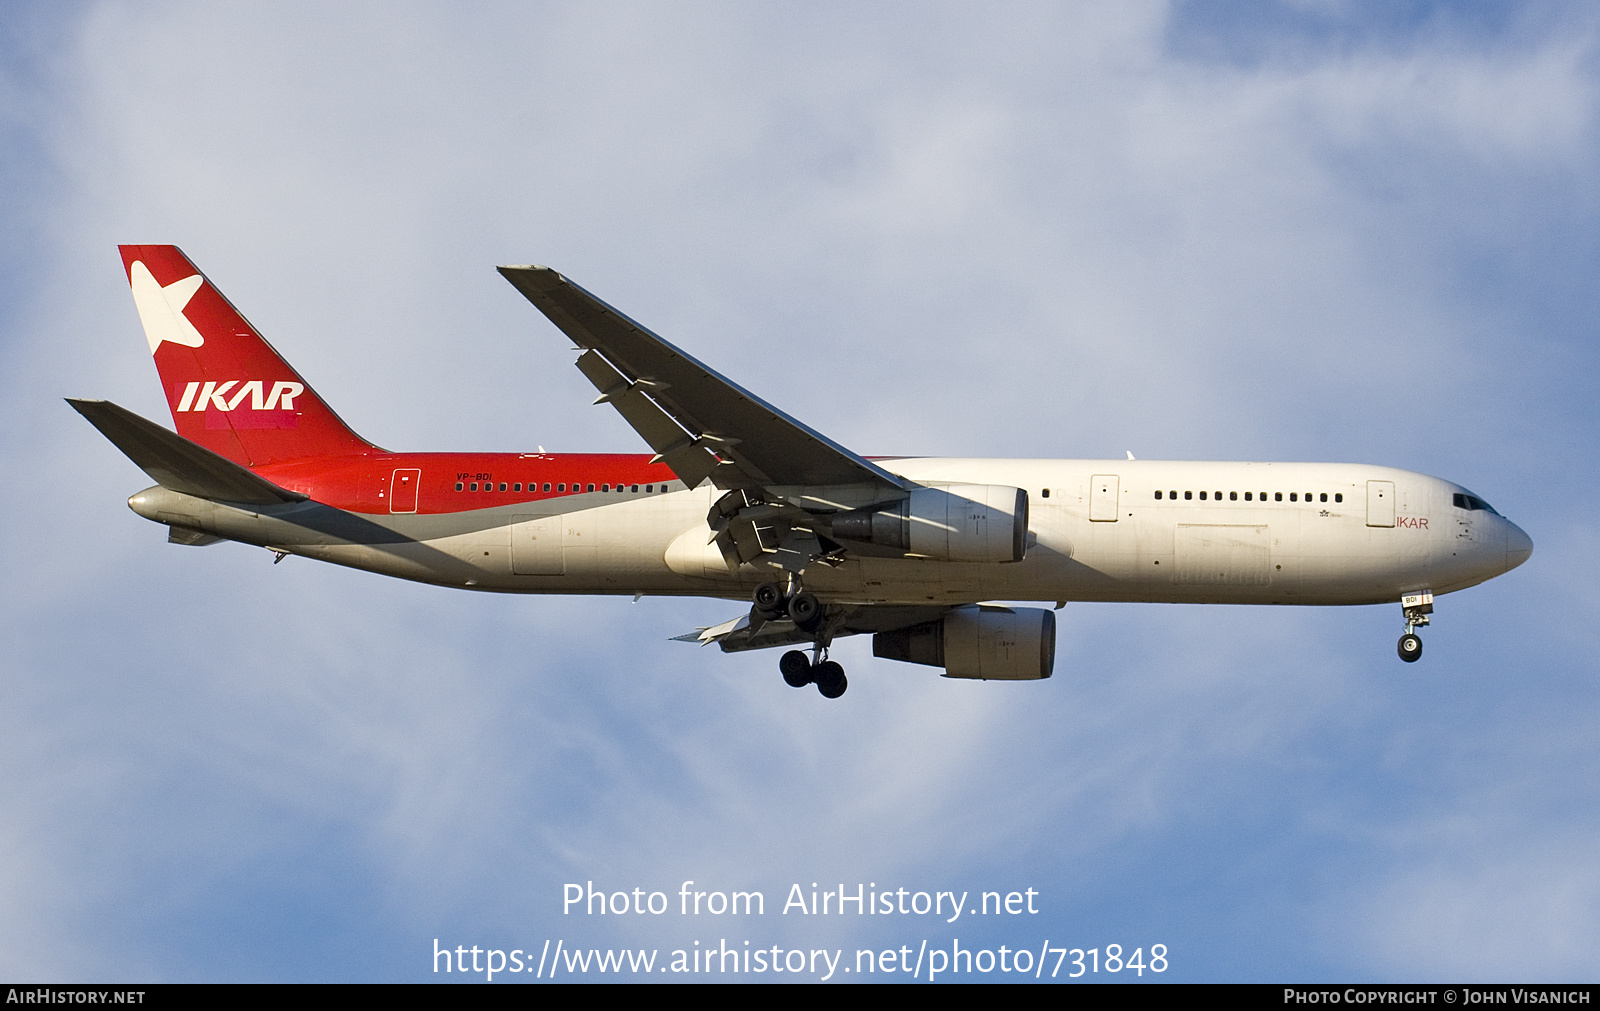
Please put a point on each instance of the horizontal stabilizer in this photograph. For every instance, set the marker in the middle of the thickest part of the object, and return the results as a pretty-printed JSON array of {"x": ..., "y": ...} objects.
[{"x": 176, "y": 463}]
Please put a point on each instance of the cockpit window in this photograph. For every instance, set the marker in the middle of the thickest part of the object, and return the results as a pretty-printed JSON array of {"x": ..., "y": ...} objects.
[{"x": 1472, "y": 503}]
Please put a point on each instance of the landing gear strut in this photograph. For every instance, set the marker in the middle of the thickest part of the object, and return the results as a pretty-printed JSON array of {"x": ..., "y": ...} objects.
[{"x": 1417, "y": 607}]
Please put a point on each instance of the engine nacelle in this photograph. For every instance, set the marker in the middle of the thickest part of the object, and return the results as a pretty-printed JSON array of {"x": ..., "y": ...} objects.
[
  {"x": 985, "y": 642},
  {"x": 954, "y": 523}
]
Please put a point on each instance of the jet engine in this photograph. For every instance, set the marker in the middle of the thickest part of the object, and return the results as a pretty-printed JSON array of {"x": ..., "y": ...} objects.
[
  {"x": 984, "y": 642},
  {"x": 954, "y": 523}
]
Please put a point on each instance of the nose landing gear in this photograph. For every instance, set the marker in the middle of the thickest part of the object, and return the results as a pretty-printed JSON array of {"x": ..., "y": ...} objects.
[{"x": 1417, "y": 607}]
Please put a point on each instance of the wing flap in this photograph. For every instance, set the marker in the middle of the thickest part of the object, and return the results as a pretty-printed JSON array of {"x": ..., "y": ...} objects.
[
  {"x": 176, "y": 463},
  {"x": 674, "y": 446}
]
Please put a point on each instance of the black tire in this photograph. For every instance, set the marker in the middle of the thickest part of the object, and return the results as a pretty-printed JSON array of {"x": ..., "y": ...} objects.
[
  {"x": 830, "y": 679},
  {"x": 805, "y": 610},
  {"x": 768, "y": 599},
  {"x": 1410, "y": 648},
  {"x": 796, "y": 669}
]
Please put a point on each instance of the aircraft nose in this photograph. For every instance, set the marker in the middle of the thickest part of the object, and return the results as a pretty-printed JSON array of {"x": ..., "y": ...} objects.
[{"x": 1518, "y": 546}]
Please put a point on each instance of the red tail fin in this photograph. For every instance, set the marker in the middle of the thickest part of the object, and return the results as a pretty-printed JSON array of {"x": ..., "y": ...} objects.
[{"x": 228, "y": 390}]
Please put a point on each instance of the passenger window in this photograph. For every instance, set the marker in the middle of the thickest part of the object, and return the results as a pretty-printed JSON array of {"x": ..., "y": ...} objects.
[
  {"x": 1338, "y": 497},
  {"x": 1202, "y": 496},
  {"x": 1293, "y": 497},
  {"x": 1045, "y": 493},
  {"x": 1324, "y": 497},
  {"x": 458, "y": 486},
  {"x": 634, "y": 488},
  {"x": 1247, "y": 496},
  {"x": 1233, "y": 496},
  {"x": 1188, "y": 495},
  {"x": 1158, "y": 496},
  {"x": 1277, "y": 496},
  {"x": 474, "y": 486}
]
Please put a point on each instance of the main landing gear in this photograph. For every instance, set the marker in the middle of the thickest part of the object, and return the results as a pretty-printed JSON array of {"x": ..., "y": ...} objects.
[
  {"x": 799, "y": 671},
  {"x": 771, "y": 604},
  {"x": 1417, "y": 607},
  {"x": 806, "y": 611}
]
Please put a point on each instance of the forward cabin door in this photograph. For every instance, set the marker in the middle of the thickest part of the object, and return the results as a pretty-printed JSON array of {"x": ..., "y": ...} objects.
[
  {"x": 1103, "y": 498},
  {"x": 1380, "y": 503}
]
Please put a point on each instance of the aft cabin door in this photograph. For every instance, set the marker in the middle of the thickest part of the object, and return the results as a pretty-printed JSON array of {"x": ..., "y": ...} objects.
[
  {"x": 1103, "y": 498},
  {"x": 403, "y": 490},
  {"x": 1380, "y": 503}
]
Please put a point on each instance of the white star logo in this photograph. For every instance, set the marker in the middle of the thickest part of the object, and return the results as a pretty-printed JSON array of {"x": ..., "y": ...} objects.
[{"x": 161, "y": 309}]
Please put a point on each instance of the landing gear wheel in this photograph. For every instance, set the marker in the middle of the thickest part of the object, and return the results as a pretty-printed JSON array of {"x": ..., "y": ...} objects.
[
  {"x": 796, "y": 669},
  {"x": 805, "y": 610},
  {"x": 768, "y": 599},
  {"x": 830, "y": 679},
  {"x": 1410, "y": 647}
]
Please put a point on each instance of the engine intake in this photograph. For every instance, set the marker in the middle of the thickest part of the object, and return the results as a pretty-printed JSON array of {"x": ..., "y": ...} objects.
[{"x": 986, "y": 642}]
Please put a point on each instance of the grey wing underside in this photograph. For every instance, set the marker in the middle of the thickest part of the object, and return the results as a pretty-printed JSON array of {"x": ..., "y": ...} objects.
[
  {"x": 699, "y": 423},
  {"x": 740, "y": 634}
]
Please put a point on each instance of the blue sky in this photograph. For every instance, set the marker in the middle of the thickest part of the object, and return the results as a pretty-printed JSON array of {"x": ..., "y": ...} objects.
[{"x": 1309, "y": 231}]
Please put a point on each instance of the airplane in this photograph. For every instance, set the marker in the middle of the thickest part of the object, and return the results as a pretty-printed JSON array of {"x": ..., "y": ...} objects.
[{"x": 738, "y": 500}]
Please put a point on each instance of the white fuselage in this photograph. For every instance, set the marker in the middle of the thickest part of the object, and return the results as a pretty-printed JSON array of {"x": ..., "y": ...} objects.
[{"x": 1263, "y": 533}]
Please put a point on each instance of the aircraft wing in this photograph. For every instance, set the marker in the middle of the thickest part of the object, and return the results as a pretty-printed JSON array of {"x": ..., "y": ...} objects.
[
  {"x": 699, "y": 423},
  {"x": 739, "y": 634}
]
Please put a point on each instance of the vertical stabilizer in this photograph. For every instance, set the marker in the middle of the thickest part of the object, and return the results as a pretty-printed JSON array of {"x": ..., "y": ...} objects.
[{"x": 228, "y": 389}]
